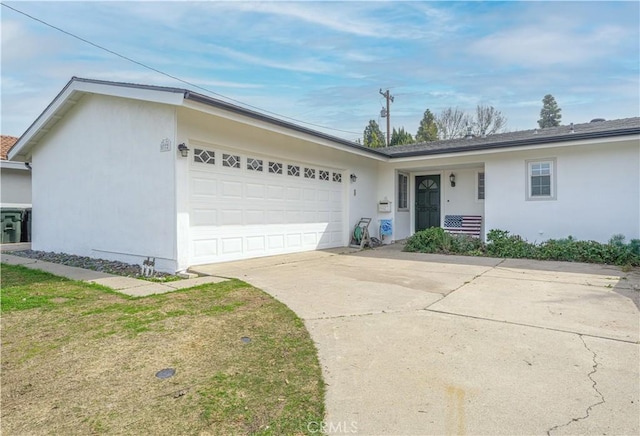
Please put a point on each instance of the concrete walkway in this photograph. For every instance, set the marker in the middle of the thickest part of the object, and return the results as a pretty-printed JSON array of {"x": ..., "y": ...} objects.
[
  {"x": 126, "y": 285},
  {"x": 426, "y": 344}
]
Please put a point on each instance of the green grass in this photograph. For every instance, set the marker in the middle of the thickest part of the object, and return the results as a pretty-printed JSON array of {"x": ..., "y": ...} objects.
[{"x": 102, "y": 349}]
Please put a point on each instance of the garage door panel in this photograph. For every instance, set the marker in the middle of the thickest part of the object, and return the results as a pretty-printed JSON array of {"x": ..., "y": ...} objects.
[
  {"x": 204, "y": 217},
  {"x": 293, "y": 194},
  {"x": 275, "y": 192},
  {"x": 205, "y": 248},
  {"x": 255, "y": 243},
  {"x": 255, "y": 191},
  {"x": 231, "y": 189},
  {"x": 275, "y": 217},
  {"x": 309, "y": 194},
  {"x": 241, "y": 211},
  {"x": 203, "y": 188},
  {"x": 230, "y": 217},
  {"x": 231, "y": 245},
  {"x": 275, "y": 242}
]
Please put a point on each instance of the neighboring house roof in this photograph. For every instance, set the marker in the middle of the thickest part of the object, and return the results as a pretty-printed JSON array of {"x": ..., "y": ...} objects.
[
  {"x": 77, "y": 87},
  {"x": 592, "y": 130},
  {"x": 7, "y": 142}
]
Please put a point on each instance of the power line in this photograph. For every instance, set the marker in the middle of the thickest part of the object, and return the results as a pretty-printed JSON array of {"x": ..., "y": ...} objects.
[{"x": 86, "y": 41}]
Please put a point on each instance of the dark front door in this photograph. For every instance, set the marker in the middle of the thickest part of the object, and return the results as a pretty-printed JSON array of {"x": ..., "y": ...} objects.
[{"x": 427, "y": 202}]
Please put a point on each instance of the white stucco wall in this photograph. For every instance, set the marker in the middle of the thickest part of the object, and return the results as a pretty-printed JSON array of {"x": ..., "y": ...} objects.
[
  {"x": 598, "y": 193},
  {"x": 15, "y": 184},
  {"x": 101, "y": 185},
  {"x": 360, "y": 199}
]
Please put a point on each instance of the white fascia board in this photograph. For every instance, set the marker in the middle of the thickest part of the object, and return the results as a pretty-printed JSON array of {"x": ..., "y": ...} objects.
[
  {"x": 71, "y": 94},
  {"x": 512, "y": 149},
  {"x": 131, "y": 92},
  {"x": 12, "y": 165},
  {"x": 232, "y": 116}
]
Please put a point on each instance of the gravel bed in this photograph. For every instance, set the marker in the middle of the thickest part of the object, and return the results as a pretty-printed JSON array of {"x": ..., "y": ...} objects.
[{"x": 102, "y": 265}]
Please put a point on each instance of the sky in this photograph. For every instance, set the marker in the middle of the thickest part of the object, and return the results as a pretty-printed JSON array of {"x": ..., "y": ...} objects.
[{"x": 322, "y": 64}]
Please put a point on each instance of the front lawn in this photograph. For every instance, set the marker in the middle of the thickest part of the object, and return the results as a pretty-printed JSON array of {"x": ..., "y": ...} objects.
[{"x": 80, "y": 359}]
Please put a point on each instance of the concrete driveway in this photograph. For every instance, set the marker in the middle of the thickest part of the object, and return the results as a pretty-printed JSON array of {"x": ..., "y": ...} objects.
[{"x": 426, "y": 344}]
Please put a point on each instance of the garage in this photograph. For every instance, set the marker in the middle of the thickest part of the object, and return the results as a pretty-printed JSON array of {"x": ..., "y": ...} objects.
[{"x": 245, "y": 205}]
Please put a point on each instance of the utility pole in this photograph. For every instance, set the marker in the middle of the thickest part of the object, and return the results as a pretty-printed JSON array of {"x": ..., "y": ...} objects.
[{"x": 387, "y": 114}]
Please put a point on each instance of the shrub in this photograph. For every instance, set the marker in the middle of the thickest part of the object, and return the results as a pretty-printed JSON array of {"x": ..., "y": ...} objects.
[
  {"x": 501, "y": 244},
  {"x": 465, "y": 244},
  {"x": 431, "y": 240}
]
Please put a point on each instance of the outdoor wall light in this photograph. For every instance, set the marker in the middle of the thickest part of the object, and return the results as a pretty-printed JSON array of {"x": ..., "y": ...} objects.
[
  {"x": 353, "y": 178},
  {"x": 452, "y": 179},
  {"x": 183, "y": 149}
]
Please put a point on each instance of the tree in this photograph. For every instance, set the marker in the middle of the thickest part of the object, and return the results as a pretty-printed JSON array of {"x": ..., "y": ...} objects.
[
  {"x": 428, "y": 130},
  {"x": 488, "y": 121},
  {"x": 400, "y": 137},
  {"x": 550, "y": 112},
  {"x": 373, "y": 137},
  {"x": 452, "y": 123}
]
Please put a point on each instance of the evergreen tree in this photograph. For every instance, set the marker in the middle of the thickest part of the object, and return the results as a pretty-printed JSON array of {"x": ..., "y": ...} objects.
[
  {"x": 373, "y": 137},
  {"x": 550, "y": 112},
  {"x": 428, "y": 130},
  {"x": 400, "y": 137}
]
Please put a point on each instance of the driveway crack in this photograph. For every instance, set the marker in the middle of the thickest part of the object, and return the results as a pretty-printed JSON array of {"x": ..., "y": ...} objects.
[
  {"x": 594, "y": 385},
  {"x": 463, "y": 284}
]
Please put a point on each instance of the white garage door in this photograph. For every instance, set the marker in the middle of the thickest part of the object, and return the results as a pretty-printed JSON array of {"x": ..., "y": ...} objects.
[{"x": 244, "y": 205}]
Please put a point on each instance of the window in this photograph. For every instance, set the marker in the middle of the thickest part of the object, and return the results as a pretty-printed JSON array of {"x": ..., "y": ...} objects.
[
  {"x": 541, "y": 180},
  {"x": 309, "y": 173},
  {"x": 204, "y": 156},
  {"x": 324, "y": 175},
  {"x": 480, "y": 186},
  {"x": 403, "y": 191},
  {"x": 254, "y": 164},
  {"x": 293, "y": 170},
  {"x": 275, "y": 167},
  {"x": 337, "y": 177},
  {"x": 230, "y": 160}
]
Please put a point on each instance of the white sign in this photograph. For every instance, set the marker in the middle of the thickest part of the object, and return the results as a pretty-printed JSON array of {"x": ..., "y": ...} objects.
[{"x": 165, "y": 145}]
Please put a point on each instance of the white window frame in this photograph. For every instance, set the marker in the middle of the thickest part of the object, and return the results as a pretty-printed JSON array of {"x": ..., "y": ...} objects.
[
  {"x": 478, "y": 199},
  {"x": 404, "y": 194},
  {"x": 553, "y": 176}
]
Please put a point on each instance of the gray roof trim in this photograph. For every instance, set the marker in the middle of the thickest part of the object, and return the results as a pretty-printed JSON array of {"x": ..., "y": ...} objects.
[{"x": 520, "y": 143}]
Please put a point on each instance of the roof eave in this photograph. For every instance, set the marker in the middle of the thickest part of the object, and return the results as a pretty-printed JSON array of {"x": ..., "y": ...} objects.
[
  {"x": 521, "y": 143},
  {"x": 203, "y": 99}
]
